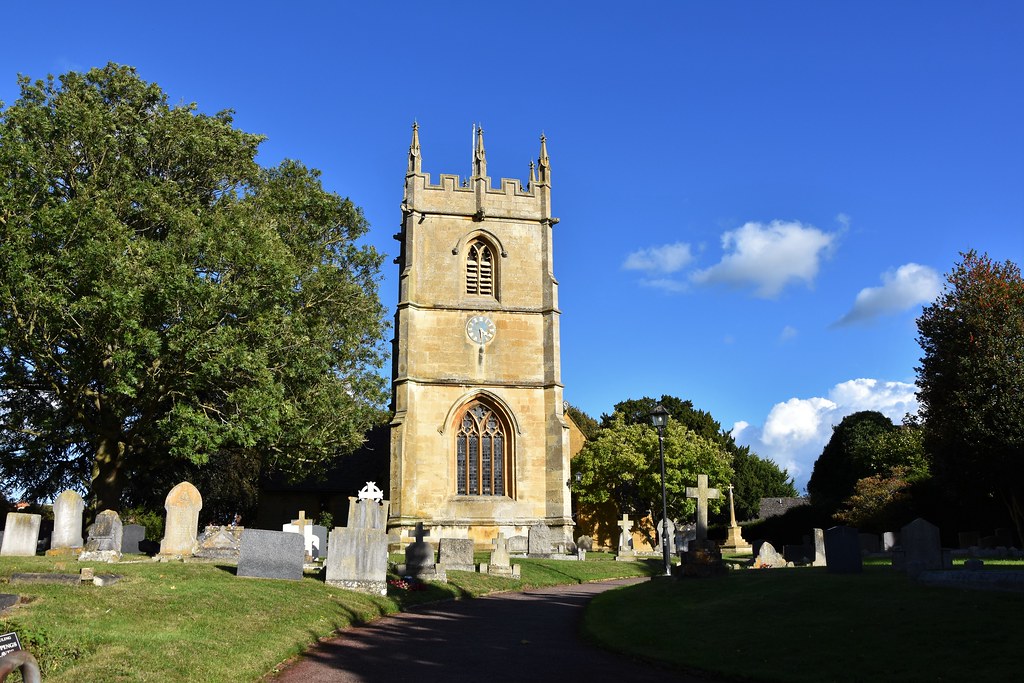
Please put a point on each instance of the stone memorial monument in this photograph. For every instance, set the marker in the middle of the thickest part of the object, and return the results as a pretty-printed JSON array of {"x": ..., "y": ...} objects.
[
  {"x": 104, "y": 544},
  {"x": 734, "y": 541},
  {"x": 21, "y": 534},
  {"x": 357, "y": 555},
  {"x": 181, "y": 528},
  {"x": 625, "y": 553},
  {"x": 67, "y": 523}
]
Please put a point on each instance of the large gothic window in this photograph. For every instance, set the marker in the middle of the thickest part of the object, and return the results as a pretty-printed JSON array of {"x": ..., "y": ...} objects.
[
  {"x": 481, "y": 453},
  {"x": 480, "y": 269}
]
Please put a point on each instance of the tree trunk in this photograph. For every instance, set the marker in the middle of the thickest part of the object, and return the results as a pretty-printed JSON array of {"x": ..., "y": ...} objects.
[{"x": 107, "y": 479}]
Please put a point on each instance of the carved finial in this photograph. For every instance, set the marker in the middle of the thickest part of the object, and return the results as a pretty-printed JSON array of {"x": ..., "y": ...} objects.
[
  {"x": 533, "y": 173},
  {"x": 414, "y": 149},
  {"x": 479, "y": 155},
  {"x": 543, "y": 164}
]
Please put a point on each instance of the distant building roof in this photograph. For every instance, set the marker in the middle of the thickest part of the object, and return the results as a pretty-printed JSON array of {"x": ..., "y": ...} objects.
[{"x": 772, "y": 507}]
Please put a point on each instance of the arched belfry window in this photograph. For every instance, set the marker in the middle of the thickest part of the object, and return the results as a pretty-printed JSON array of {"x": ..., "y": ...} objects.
[
  {"x": 482, "y": 452},
  {"x": 480, "y": 269}
]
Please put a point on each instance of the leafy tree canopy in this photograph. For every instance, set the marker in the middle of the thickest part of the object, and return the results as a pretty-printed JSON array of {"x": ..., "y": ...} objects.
[
  {"x": 846, "y": 458},
  {"x": 754, "y": 478},
  {"x": 166, "y": 303},
  {"x": 971, "y": 381},
  {"x": 587, "y": 424},
  {"x": 623, "y": 465}
]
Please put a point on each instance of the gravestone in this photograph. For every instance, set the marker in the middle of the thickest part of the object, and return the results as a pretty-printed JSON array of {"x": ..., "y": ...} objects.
[
  {"x": 181, "y": 528},
  {"x": 585, "y": 543},
  {"x": 357, "y": 555},
  {"x": 702, "y": 493},
  {"x": 67, "y": 521},
  {"x": 921, "y": 548},
  {"x": 419, "y": 559},
  {"x": 314, "y": 535},
  {"x": 131, "y": 536},
  {"x": 625, "y": 553},
  {"x": 540, "y": 541},
  {"x": 890, "y": 539},
  {"x": 104, "y": 544},
  {"x": 820, "y": 559},
  {"x": 500, "y": 563},
  {"x": 768, "y": 557},
  {"x": 842, "y": 551},
  {"x": 219, "y": 542},
  {"x": 518, "y": 544},
  {"x": 21, "y": 534},
  {"x": 456, "y": 554},
  {"x": 265, "y": 554},
  {"x": 671, "y": 535}
]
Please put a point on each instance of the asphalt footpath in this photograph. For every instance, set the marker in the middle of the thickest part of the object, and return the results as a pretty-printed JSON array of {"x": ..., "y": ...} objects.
[{"x": 531, "y": 636}]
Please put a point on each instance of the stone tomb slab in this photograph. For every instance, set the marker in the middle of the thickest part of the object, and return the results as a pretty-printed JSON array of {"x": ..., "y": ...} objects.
[
  {"x": 357, "y": 559},
  {"x": 105, "y": 536},
  {"x": 271, "y": 555}
]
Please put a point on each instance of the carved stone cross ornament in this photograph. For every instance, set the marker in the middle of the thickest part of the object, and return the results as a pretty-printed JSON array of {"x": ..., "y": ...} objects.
[
  {"x": 371, "y": 492},
  {"x": 702, "y": 493}
]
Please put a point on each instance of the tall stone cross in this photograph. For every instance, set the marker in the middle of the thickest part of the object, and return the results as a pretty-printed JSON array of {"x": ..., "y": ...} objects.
[
  {"x": 626, "y": 527},
  {"x": 702, "y": 493},
  {"x": 420, "y": 533}
]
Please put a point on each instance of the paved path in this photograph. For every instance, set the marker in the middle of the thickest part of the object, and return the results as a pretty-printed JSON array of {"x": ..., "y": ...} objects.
[{"x": 530, "y": 636}]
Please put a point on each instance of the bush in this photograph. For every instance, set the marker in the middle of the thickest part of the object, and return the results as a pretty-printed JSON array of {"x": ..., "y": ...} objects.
[{"x": 151, "y": 519}]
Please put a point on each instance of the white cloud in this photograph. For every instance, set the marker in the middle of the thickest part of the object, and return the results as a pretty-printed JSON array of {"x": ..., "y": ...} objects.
[
  {"x": 906, "y": 287},
  {"x": 795, "y": 431},
  {"x": 768, "y": 257},
  {"x": 665, "y": 283},
  {"x": 668, "y": 258},
  {"x": 788, "y": 332}
]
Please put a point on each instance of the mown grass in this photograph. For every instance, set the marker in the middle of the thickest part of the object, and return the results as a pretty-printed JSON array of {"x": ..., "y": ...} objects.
[
  {"x": 172, "y": 622},
  {"x": 805, "y": 624}
]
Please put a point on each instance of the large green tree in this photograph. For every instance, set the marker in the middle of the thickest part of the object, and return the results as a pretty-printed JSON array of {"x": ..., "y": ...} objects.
[
  {"x": 167, "y": 302},
  {"x": 971, "y": 382},
  {"x": 846, "y": 458},
  {"x": 753, "y": 477},
  {"x": 623, "y": 465}
]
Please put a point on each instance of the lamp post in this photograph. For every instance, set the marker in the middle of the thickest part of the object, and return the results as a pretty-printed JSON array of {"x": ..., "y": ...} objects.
[{"x": 659, "y": 418}]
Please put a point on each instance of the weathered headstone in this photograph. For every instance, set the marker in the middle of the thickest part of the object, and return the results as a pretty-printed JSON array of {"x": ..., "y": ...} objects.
[
  {"x": 540, "y": 540},
  {"x": 419, "y": 559},
  {"x": 104, "y": 544},
  {"x": 67, "y": 521},
  {"x": 922, "y": 549},
  {"x": 181, "y": 529},
  {"x": 768, "y": 557},
  {"x": 456, "y": 554},
  {"x": 21, "y": 534},
  {"x": 670, "y": 536},
  {"x": 625, "y": 552},
  {"x": 820, "y": 559},
  {"x": 500, "y": 562},
  {"x": 702, "y": 493},
  {"x": 131, "y": 536},
  {"x": 357, "y": 555},
  {"x": 842, "y": 550},
  {"x": 270, "y": 554},
  {"x": 890, "y": 539},
  {"x": 518, "y": 544}
]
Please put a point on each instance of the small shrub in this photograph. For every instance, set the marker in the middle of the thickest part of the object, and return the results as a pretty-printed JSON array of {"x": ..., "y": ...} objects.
[{"x": 151, "y": 519}]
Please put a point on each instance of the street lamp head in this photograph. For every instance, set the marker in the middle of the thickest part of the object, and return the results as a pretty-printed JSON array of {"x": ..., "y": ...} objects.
[{"x": 659, "y": 417}]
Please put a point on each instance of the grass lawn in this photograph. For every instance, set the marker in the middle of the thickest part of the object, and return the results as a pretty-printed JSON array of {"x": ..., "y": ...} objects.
[
  {"x": 805, "y": 624},
  {"x": 172, "y": 622}
]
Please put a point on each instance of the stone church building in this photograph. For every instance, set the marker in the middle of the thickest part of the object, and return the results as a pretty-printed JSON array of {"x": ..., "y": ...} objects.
[{"x": 479, "y": 442}]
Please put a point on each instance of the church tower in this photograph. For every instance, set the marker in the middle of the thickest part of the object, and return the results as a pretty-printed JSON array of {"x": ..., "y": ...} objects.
[{"x": 479, "y": 444}]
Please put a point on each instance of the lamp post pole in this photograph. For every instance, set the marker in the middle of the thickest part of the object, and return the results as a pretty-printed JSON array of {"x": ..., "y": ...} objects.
[{"x": 659, "y": 418}]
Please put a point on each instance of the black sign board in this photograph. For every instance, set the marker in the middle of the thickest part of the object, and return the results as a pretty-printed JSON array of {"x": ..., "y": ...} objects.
[{"x": 9, "y": 643}]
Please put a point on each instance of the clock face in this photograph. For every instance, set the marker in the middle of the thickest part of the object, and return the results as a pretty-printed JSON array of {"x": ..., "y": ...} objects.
[{"x": 480, "y": 329}]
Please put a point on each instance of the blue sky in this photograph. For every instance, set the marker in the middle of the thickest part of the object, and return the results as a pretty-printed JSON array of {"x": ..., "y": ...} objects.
[{"x": 756, "y": 198}]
